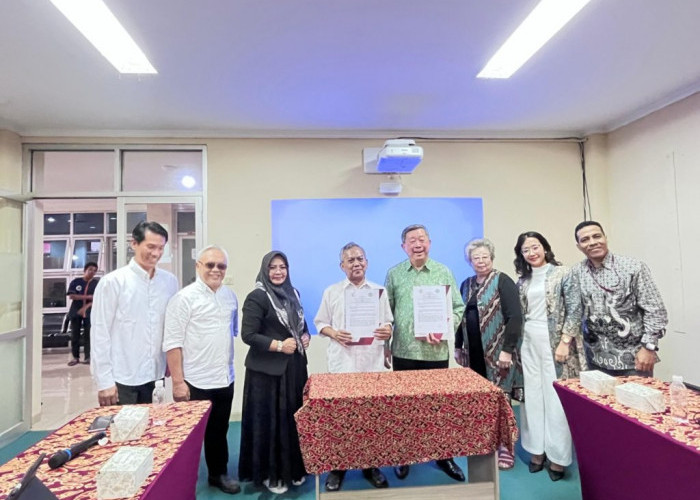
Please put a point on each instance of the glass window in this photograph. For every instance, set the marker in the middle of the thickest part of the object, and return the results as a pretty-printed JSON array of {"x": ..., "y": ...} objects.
[
  {"x": 112, "y": 223},
  {"x": 55, "y": 292},
  {"x": 85, "y": 251},
  {"x": 162, "y": 171},
  {"x": 90, "y": 223},
  {"x": 132, "y": 219},
  {"x": 185, "y": 222},
  {"x": 72, "y": 171},
  {"x": 56, "y": 224},
  {"x": 55, "y": 254}
]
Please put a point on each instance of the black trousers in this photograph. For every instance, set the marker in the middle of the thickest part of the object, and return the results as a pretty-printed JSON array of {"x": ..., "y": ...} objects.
[
  {"x": 135, "y": 394},
  {"x": 401, "y": 364},
  {"x": 75, "y": 324},
  {"x": 215, "y": 444}
]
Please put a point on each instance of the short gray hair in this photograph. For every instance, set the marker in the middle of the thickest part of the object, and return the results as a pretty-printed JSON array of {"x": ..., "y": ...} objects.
[
  {"x": 348, "y": 246},
  {"x": 479, "y": 243},
  {"x": 212, "y": 247},
  {"x": 412, "y": 227}
]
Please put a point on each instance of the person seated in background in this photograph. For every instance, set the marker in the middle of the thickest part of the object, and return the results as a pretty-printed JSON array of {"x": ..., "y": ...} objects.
[{"x": 343, "y": 356}]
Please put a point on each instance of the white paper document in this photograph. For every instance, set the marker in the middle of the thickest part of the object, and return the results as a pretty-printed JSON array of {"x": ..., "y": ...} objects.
[
  {"x": 432, "y": 311},
  {"x": 361, "y": 313}
]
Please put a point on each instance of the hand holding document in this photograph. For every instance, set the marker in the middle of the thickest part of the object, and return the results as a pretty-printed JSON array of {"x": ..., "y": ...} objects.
[
  {"x": 432, "y": 312},
  {"x": 362, "y": 314}
]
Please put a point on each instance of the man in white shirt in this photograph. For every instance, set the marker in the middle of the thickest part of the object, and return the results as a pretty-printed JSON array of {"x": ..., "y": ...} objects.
[
  {"x": 343, "y": 355},
  {"x": 200, "y": 324},
  {"x": 128, "y": 312}
]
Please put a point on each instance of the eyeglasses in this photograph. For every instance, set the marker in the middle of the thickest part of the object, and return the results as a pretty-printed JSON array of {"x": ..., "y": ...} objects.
[{"x": 211, "y": 265}]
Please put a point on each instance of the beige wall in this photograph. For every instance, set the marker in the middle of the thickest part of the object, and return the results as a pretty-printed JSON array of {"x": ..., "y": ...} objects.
[
  {"x": 10, "y": 162},
  {"x": 654, "y": 191}
]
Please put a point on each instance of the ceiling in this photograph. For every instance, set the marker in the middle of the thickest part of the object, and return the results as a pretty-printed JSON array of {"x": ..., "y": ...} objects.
[{"x": 344, "y": 68}]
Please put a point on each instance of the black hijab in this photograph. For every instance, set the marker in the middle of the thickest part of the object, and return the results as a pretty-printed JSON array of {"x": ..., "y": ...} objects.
[{"x": 284, "y": 298}]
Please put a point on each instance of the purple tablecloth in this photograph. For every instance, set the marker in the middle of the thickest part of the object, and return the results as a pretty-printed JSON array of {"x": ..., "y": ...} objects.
[
  {"x": 625, "y": 454},
  {"x": 176, "y": 447}
]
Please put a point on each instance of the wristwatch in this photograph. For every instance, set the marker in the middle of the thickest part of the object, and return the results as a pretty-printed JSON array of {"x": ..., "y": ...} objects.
[
  {"x": 651, "y": 347},
  {"x": 279, "y": 346},
  {"x": 566, "y": 341}
]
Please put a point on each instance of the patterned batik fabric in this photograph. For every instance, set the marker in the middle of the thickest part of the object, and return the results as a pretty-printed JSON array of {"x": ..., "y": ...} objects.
[
  {"x": 493, "y": 326},
  {"x": 621, "y": 309},
  {"x": 559, "y": 297}
]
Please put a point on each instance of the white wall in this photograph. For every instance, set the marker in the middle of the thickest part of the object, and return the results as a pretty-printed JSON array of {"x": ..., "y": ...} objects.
[{"x": 654, "y": 198}]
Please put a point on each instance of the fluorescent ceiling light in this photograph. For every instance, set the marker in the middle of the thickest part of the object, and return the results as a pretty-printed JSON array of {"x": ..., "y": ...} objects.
[
  {"x": 546, "y": 19},
  {"x": 94, "y": 20}
]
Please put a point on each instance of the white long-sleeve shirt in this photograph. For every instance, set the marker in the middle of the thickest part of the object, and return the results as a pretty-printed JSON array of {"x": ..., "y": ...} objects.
[
  {"x": 203, "y": 323},
  {"x": 128, "y": 312},
  {"x": 355, "y": 358}
]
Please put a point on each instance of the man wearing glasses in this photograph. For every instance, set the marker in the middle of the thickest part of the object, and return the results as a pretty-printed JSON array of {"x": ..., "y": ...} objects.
[
  {"x": 200, "y": 324},
  {"x": 622, "y": 311}
]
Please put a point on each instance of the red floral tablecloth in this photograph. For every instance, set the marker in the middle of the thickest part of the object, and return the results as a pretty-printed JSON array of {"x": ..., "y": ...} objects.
[
  {"x": 183, "y": 428},
  {"x": 361, "y": 420},
  {"x": 687, "y": 434}
]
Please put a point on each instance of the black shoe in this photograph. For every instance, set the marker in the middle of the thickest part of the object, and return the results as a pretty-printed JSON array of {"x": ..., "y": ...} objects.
[
  {"x": 536, "y": 467},
  {"x": 225, "y": 484},
  {"x": 86, "y": 361},
  {"x": 451, "y": 469},
  {"x": 555, "y": 475},
  {"x": 375, "y": 477},
  {"x": 401, "y": 471},
  {"x": 335, "y": 480}
]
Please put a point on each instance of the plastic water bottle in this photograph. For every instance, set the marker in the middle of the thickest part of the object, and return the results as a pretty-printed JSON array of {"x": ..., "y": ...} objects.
[
  {"x": 679, "y": 395},
  {"x": 158, "y": 405}
]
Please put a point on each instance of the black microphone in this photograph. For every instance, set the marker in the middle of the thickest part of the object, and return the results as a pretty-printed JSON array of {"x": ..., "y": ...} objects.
[{"x": 61, "y": 457}]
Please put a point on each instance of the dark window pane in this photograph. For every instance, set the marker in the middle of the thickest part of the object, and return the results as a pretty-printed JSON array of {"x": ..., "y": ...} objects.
[
  {"x": 56, "y": 224},
  {"x": 88, "y": 223},
  {"x": 55, "y": 254},
  {"x": 112, "y": 223},
  {"x": 55, "y": 292},
  {"x": 133, "y": 218},
  {"x": 185, "y": 222},
  {"x": 86, "y": 251}
]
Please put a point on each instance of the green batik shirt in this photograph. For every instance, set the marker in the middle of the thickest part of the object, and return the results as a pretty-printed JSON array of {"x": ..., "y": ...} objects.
[{"x": 399, "y": 284}]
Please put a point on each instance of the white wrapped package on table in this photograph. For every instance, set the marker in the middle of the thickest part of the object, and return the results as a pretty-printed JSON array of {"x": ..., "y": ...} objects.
[
  {"x": 129, "y": 424},
  {"x": 124, "y": 473},
  {"x": 640, "y": 397},
  {"x": 598, "y": 382}
]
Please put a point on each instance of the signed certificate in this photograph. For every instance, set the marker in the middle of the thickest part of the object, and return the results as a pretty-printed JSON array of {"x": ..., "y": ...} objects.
[
  {"x": 432, "y": 311},
  {"x": 361, "y": 313}
]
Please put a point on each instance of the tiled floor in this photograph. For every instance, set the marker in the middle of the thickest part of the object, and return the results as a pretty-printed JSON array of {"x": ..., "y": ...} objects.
[{"x": 66, "y": 391}]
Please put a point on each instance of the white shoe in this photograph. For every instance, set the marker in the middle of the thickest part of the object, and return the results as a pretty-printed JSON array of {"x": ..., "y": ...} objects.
[
  {"x": 278, "y": 489},
  {"x": 300, "y": 481}
]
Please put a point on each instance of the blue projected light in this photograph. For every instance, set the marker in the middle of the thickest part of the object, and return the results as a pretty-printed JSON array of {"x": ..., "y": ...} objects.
[{"x": 312, "y": 232}]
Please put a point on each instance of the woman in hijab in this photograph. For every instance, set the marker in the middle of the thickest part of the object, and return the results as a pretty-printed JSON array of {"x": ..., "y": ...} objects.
[{"x": 274, "y": 328}]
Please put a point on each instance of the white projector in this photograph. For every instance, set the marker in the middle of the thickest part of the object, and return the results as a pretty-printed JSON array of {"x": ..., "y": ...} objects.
[{"x": 398, "y": 156}]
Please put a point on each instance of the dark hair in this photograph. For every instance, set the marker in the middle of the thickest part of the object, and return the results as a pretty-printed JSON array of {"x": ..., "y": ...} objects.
[
  {"x": 90, "y": 264},
  {"x": 139, "y": 232},
  {"x": 586, "y": 223},
  {"x": 522, "y": 267},
  {"x": 412, "y": 227}
]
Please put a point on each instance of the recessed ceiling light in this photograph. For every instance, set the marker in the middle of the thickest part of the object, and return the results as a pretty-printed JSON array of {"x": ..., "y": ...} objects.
[
  {"x": 94, "y": 20},
  {"x": 50, "y": 219},
  {"x": 188, "y": 181},
  {"x": 545, "y": 20}
]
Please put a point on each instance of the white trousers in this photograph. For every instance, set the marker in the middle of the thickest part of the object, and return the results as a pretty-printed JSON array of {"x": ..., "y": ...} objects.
[{"x": 543, "y": 422}]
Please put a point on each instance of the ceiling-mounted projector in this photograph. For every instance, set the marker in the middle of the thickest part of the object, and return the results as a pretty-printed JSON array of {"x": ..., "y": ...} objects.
[{"x": 397, "y": 156}]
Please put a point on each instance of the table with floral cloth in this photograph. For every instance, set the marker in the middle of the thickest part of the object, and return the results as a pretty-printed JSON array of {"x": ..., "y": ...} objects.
[
  {"x": 623, "y": 453},
  {"x": 176, "y": 447},
  {"x": 362, "y": 420}
]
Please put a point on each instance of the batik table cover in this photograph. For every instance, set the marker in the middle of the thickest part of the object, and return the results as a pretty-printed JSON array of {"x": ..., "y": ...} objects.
[
  {"x": 176, "y": 448},
  {"x": 627, "y": 454},
  {"x": 361, "y": 420}
]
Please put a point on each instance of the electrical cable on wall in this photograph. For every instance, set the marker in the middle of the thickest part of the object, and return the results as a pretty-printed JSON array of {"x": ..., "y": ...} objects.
[{"x": 587, "y": 215}]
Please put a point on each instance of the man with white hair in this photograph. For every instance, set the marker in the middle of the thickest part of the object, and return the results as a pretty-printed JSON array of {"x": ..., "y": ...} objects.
[{"x": 200, "y": 323}]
